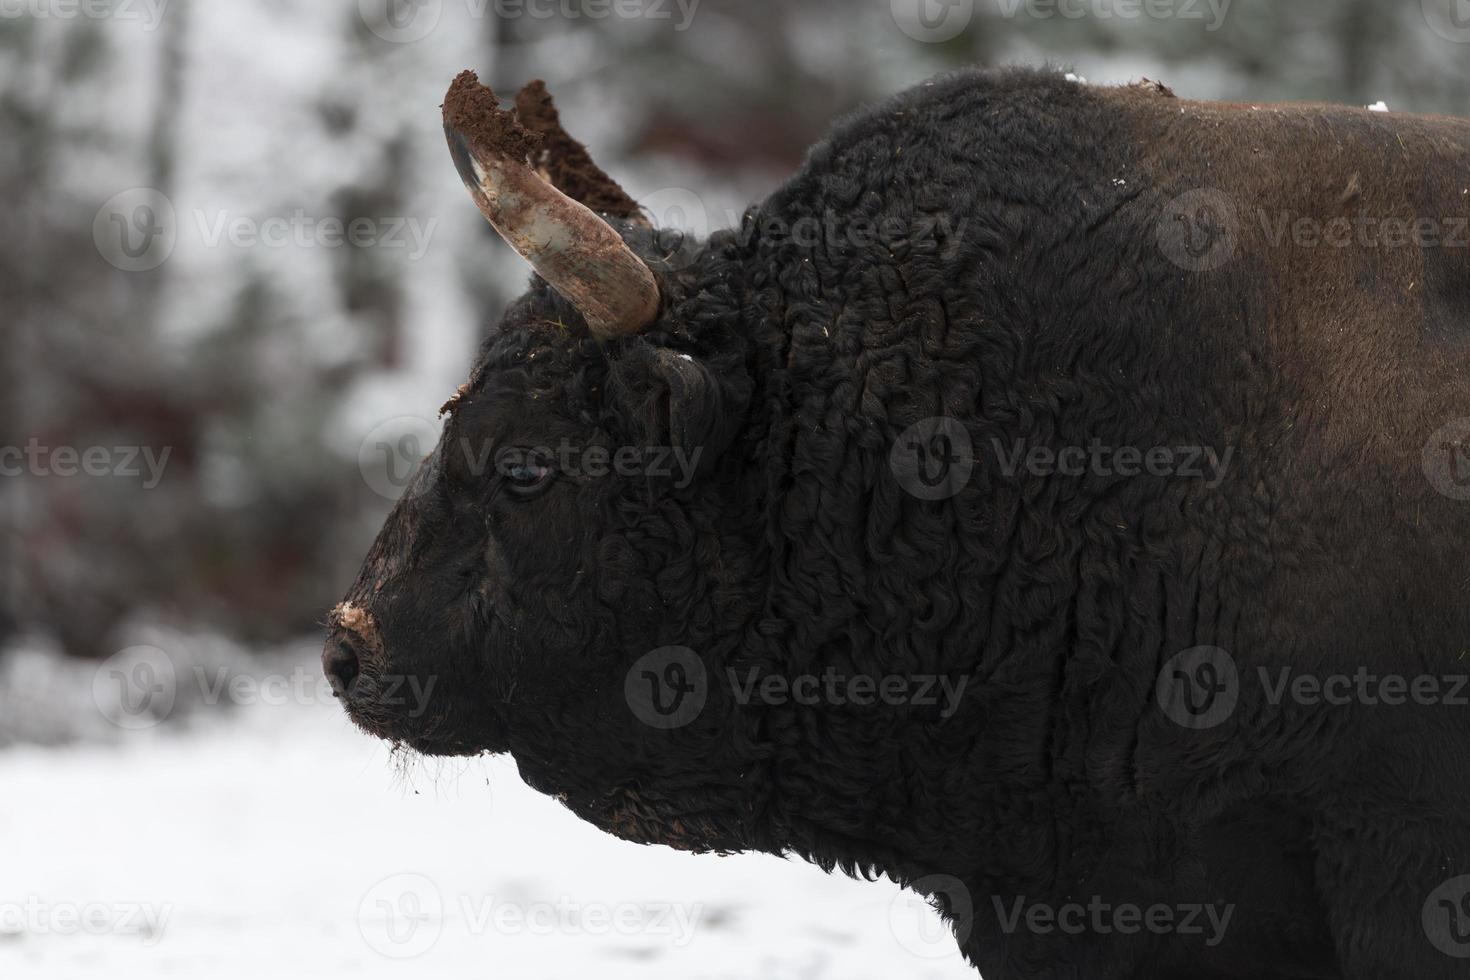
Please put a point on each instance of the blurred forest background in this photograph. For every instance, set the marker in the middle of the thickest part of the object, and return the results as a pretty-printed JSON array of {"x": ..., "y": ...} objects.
[{"x": 272, "y": 370}]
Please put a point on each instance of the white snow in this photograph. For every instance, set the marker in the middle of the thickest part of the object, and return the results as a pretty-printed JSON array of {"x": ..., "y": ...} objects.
[{"x": 277, "y": 841}]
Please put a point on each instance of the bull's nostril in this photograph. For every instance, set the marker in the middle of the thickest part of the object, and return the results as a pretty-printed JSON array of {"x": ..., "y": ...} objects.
[{"x": 341, "y": 664}]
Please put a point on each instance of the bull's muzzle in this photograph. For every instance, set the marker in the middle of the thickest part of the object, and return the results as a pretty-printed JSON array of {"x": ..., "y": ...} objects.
[{"x": 349, "y": 645}]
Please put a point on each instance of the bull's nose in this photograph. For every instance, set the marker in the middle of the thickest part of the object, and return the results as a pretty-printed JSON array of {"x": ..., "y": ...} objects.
[{"x": 341, "y": 664}]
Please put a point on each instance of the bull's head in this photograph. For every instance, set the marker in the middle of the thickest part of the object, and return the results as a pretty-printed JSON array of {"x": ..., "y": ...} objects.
[{"x": 583, "y": 508}]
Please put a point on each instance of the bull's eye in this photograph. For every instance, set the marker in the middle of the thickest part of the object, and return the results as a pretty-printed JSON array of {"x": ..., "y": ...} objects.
[{"x": 526, "y": 474}]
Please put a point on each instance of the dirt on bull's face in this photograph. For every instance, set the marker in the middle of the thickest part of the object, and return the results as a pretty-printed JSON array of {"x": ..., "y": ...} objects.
[{"x": 356, "y": 619}]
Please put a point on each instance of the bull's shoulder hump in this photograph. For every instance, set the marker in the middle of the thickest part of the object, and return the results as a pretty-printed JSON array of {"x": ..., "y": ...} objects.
[{"x": 990, "y": 125}]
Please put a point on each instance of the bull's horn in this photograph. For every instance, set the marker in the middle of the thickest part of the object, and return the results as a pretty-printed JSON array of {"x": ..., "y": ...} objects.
[
  {"x": 565, "y": 163},
  {"x": 574, "y": 250}
]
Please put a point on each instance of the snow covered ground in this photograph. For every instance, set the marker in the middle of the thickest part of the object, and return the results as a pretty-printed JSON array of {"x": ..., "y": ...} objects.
[{"x": 274, "y": 840}]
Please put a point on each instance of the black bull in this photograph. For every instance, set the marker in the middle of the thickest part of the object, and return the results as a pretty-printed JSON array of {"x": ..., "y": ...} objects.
[{"x": 1137, "y": 425}]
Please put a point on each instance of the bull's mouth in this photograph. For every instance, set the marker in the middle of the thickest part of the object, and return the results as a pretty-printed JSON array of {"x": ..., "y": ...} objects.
[
  {"x": 429, "y": 745},
  {"x": 430, "y": 734},
  {"x": 408, "y": 710}
]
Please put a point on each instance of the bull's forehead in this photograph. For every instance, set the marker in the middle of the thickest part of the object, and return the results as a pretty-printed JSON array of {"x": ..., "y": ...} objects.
[
  {"x": 507, "y": 406},
  {"x": 531, "y": 357}
]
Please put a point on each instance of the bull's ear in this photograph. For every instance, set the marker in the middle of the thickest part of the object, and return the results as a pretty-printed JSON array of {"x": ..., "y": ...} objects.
[{"x": 676, "y": 400}]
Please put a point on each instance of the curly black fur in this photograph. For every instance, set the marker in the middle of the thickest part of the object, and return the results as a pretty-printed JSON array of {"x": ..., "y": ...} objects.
[{"x": 1030, "y": 301}]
